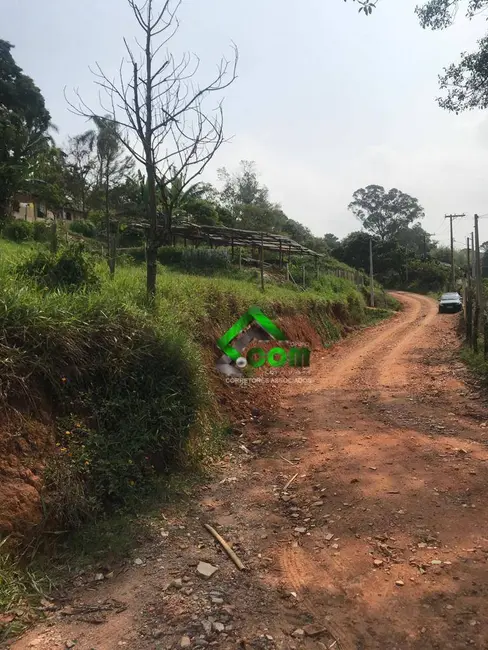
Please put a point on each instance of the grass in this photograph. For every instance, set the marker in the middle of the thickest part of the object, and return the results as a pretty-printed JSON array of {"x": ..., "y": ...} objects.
[{"x": 128, "y": 390}]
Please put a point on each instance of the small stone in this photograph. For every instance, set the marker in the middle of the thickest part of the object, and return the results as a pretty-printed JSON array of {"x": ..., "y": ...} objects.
[
  {"x": 217, "y": 601},
  {"x": 207, "y": 626},
  {"x": 436, "y": 562},
  {"x": 218, "y": 627},
  {"x": 298, "y": 633},
  {"x": 206, "y": 570},
  {"x": 300, "y": 530},
  {"x": 335, "y": 546},
  {"x": 185, "y": 642},
  {"x": 99, "y": 577},
  {"x": 449, "y": 606},
  {"x": 157, "y": 634},
  {"x": 138, "y": 561},
  {"x": 399, "y": 583},
  {"x": 317, "y": 504},
  {"x": 329, "y": 536},
  {"x": 378, "y": 562},
  {"x": 70, "y": 644}
]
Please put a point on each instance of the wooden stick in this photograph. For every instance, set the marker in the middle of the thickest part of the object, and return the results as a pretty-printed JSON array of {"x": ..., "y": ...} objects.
[
  {"x": 289, "y": 483},
  {"x": 225, "y": 546}
]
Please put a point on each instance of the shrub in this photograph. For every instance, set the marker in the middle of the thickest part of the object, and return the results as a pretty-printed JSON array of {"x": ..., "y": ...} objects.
[
  {"x": 18, "y": 231},
  {"x": 170, "y": 255},
  {"x": 130, "y": 237},
  {"x": 205, "y": 259},
  {"x": 69, "y": 269},
  {"x": 40, "y": 231},
  {"x": 85, "y": 228}
]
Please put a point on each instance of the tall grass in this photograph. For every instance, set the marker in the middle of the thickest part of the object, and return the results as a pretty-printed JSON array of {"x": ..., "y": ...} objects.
[{"x": 127, "y": 385}]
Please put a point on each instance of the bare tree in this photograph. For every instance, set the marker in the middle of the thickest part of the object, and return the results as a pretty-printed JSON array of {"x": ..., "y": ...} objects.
[{"x": 160, "y": 113}]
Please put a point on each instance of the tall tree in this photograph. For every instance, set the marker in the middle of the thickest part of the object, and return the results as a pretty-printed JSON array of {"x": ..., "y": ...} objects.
[
  {"x": 24, "y": 122},
  {"x": 113, "y": 168},
  {"x": 248, "y": 201},
  {"x": 160, "y": 111},
  {"x": 466, "y": 82},
  {"x": 81, "y": 164},
  {"x": 384, "y": 213}
]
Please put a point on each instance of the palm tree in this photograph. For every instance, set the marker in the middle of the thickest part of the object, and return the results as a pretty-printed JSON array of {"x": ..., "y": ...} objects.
[{"x": 176, "y": 198}]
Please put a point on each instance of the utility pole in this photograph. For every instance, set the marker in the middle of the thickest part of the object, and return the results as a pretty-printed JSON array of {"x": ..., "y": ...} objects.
[
  {"x": 473, "y": 258},
  {"x": 478, "y": 310},
  {"x": 453, "y": 269},
  {"x": 479, "y": 278},
  {"x": 371, "y": 275}
]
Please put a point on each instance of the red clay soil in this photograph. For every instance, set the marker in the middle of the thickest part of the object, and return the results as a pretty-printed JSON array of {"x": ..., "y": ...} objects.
[{"x": 380, "y": 541}]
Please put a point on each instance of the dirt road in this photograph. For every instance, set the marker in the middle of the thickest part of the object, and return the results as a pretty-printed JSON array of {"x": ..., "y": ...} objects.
[{"x": 379, "y": 542}]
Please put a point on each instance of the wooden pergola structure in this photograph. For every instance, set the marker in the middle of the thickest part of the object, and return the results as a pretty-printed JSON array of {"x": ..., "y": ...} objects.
[{"x": 237, "y": 238}]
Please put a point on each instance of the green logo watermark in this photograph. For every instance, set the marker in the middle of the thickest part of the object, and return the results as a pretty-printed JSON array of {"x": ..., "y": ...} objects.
[{"x": 240, "y": 335}]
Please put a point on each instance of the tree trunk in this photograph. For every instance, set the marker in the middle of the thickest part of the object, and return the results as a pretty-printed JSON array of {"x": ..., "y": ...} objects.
[
  {"x": 152, "y": 216},
  {"x": 152, "y": 237}
]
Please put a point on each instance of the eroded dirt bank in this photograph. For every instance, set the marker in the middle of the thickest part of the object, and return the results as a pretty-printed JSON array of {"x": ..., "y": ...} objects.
[{"x": 380, "y": 541}]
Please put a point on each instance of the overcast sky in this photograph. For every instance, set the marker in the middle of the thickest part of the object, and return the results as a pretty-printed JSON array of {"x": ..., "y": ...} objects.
[{"x": 327, "y": 100}]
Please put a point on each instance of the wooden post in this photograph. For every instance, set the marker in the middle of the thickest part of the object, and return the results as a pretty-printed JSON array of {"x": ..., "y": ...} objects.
[
  {"x": 232, "y": 247},
  {"x": 371, "y": 274},
  {"x": 54, "y": 236},
  {"x": 281, "y": 256},
  {"x": 468, "y": 309},
  {"x": 287, "y": 272},
  {"x": 478, "y": 312},
  {"x": 262, "y": 262},
  {"x": 240, "y": 258}
]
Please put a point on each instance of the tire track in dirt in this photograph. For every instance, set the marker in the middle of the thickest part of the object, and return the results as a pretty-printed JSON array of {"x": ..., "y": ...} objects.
[
  {"x": 380, "y": 361},
  {"x": 393, "y": 370},
  {"x": 370, "y": 346}
]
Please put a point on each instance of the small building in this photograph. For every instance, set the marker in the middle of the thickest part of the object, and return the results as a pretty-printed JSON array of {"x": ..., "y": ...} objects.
[{"x": 29, "y": 207}]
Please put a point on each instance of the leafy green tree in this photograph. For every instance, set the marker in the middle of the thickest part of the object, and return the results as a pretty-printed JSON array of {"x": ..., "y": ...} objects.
[
  {"x": 365, "y": 6},
  {"x": 47, "y": 178},
  {"x": 416, "y": 239},
  {"x": 466, "y": 82},
  {"x": 81, "y": 163},
  {"x": 24, "y": 122},
  {"x": 331, "y": 241},
  {"x": 384, "y": 213},
  {"x": 113, "y": 167}
]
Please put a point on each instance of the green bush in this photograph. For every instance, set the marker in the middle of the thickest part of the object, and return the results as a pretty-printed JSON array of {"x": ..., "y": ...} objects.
[
  {"x": 205, "y": 259},
  {"x": 130, "y": 237},
  {"x": 85, "y": 228},
  {"x": 170, "y": 255},
  {"x": 18, "y": 231},
  {"x": 69, "y": 269},
  {"x": 40, "y": 231}
]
